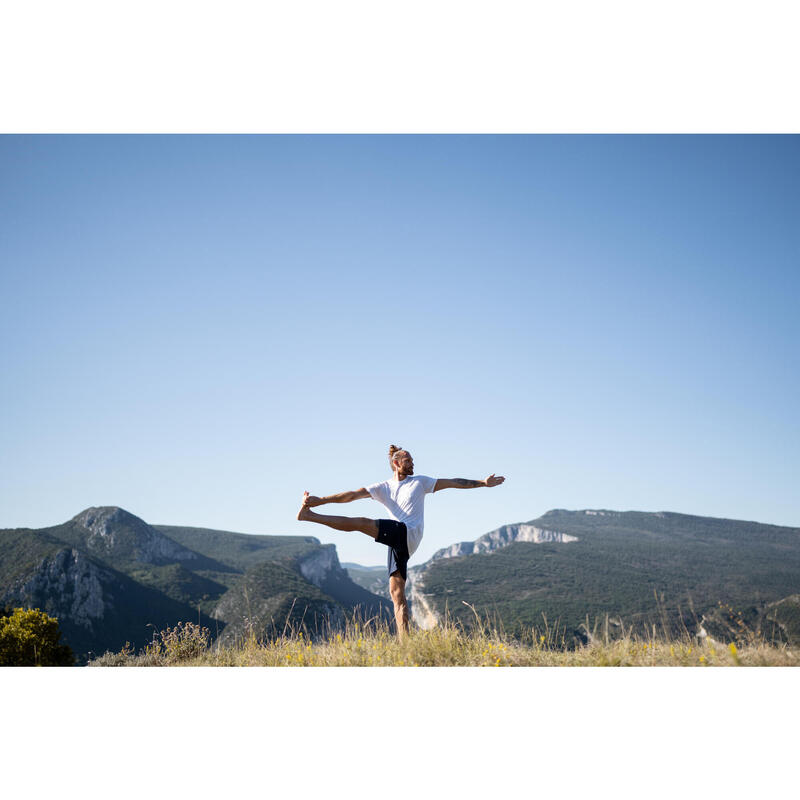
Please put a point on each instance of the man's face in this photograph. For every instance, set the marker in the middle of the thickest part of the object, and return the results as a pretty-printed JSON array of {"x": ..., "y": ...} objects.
[{"x": 405, "y": 462}]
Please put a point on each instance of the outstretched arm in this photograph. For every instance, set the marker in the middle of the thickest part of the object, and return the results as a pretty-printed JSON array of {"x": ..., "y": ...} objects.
[
  {"x": 342, "y": 497},
  {"x": 465, "y": 483}
]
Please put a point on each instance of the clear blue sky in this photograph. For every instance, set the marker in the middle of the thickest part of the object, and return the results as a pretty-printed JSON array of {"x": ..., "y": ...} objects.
[{"x": 198, "y": 328}]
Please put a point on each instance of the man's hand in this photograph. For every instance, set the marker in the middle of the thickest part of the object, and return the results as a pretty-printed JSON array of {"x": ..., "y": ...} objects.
[
  {"x": 493, "y": 480},
  {"x": 310, "y": 501}
]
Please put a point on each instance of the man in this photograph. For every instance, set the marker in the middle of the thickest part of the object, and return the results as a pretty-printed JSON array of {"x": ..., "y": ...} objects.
[{"x": 404, "y": 497}]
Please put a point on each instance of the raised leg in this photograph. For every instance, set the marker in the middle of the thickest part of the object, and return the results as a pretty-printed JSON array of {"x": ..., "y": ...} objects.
[
  {"x": 363, "y": 524},
  {"x": 397, "y": 589}
]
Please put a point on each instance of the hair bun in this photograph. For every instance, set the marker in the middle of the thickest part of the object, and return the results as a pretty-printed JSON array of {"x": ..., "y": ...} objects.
[{"x": 393, "y": 451}]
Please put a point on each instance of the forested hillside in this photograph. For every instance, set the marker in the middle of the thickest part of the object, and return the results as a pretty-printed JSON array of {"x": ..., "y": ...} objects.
[{"x": 635, "y": 569}]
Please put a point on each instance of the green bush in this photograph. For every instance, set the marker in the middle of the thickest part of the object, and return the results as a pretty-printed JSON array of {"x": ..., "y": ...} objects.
[{"x": 30, "y": 639}]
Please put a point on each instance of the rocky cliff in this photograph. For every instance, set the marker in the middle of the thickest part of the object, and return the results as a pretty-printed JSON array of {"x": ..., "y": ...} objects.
[
  {"x": 422, "y": 611},
  {"x": 115, "y": 533},
  {"x": 66, "y": 585},
  {"x": 322, "y": 565},
  {"x": 502, "y": 537}
]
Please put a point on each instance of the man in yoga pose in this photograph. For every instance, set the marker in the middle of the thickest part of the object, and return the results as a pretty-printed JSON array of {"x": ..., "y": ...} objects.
[{"x": 404, "y": 497}]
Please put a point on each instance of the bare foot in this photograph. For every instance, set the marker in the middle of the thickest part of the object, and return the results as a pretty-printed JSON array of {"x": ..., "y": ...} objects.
[{"x": 305, "y": 511}]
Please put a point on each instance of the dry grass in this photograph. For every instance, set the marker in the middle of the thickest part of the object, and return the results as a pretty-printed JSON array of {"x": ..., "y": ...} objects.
[{"x": 373, "y": 644}]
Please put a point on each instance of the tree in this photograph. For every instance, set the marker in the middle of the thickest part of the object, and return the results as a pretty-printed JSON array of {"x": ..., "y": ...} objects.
[{"x": 30, "y": 639}]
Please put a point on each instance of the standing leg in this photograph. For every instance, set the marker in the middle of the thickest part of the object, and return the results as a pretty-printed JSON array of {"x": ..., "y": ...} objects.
[{"x": 397, "y": 589}]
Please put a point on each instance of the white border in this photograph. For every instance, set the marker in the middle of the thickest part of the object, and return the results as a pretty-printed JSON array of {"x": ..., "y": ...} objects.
[
  {"x": 460, "y": 732},
  {"x": 433, "y": 66}
]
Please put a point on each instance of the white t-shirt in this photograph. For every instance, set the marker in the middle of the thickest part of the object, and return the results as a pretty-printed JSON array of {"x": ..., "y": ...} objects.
[{"x": 405, "y": 500}]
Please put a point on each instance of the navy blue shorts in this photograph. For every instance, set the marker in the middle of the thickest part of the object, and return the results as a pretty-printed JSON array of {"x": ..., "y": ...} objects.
[{"x": 394, "y": 535}]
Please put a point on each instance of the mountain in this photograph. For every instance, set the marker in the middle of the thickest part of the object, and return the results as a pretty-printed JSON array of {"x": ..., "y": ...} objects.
[
  {"x": 111, "y": 578},
  {"x": 373, "y": 579},
  {"x": 633, "y": 569}
]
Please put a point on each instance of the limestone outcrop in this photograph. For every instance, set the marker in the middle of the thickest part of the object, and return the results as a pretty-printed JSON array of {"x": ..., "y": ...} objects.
[
  {"x": 502, "y": 537},
  {"x": 66, "y": 585}
]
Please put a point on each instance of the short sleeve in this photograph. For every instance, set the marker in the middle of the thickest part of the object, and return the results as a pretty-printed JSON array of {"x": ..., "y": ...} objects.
[
  {"x": 377, "y": 491},
  {"x": 428, "y": 484}
]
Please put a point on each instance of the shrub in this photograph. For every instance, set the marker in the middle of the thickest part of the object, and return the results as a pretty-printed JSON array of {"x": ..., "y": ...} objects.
[
  {"x": 30, "y": 639},
  {"x": 123, "y": 658},
  {"x": 186, "y": 640}
]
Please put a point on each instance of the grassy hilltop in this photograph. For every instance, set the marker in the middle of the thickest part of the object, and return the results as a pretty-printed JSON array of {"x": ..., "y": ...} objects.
[{"x": 373, "y": 644}]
